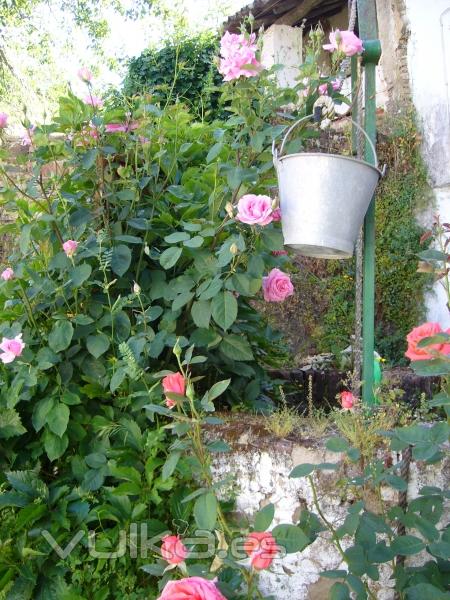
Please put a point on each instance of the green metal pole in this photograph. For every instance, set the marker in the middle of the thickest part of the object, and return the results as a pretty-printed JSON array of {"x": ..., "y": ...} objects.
[{"x": 368, "y": 31}]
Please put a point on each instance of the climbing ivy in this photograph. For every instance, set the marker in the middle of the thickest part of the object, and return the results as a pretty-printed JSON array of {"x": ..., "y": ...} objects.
[{"x": 182, "y": 70}]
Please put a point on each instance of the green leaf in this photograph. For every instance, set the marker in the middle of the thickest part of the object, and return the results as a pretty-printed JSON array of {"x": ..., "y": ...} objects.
[
  {"x": 224, "y": 309},
  {"x": 80, "y": 274},
  {"x": 54, "y": 445},
  {"x": 95, "y": 460},
  {"x": 264, "y": 518},
  {"x": 431, "y": 368},
  {"x": 181, "y": 300},
  {"x": 290, "y": 537},
  {"x": 407, "y": 545},
  {"x": 218, "y": 446},
  {"x": 93, "y": 480},
  {"x": 201, "y": 313},
  {"x": 396, "y": 482},
  {"x": 170, "y": 465},
  {"x": 214, "y": 152},
  {"x": 178, "y": 236},
  {"x": 339, "y": 591},
  {"x": 218, "y": 389},
  {"x": 10, "y": 423},
  {"x": 58, "y": 418},
  {"x": 236, "y": 347},
  {"x": 97, "y": 344},
  {"x": 205, "y": 511},
  {"x": 169, "y": 257},
  {"x": 195, "y": 242},
  {"x": 121, "y": 259},
  {"x": 440, "y": 550},
  {"x": 60, "y": 336},
  {"x": 426, "y": 591},
  {"x": 337, "y": 444},
  {"x": 88, "y": 159},
  {"x": 302, "y": 470}
]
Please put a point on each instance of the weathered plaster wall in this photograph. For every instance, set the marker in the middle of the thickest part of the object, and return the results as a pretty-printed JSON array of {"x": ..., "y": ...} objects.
[
  {"x": 260, "y": 466},
  {"x": 282, "y": 45}
]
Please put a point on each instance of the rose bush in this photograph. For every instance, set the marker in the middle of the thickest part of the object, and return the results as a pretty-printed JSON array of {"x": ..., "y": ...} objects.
[{"x": 129, "y": 246}]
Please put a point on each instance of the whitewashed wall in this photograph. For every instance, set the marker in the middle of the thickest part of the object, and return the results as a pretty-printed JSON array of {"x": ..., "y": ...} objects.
[
  {"x": 260, "y": 467},
  {"x": 429, "y": 68}
]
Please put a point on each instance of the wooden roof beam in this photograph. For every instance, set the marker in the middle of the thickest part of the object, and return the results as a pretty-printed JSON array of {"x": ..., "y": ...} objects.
[{"x": 299, "y": 12}]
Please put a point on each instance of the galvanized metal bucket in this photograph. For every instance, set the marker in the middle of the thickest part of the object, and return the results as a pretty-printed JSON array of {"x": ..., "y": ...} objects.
[{"x": 323, "y": 199}]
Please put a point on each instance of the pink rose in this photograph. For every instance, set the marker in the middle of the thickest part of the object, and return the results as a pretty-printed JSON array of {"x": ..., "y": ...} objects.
[
  {"x": 94, "y": 101},
  {"x": 336, "y": 85},
  {"x": 174, "y": 383},
  {"x": 255, "y": 210},
  {"x": 121, "y": 127},
  {"x": 419, "y": 333},
  {"x": 323, "y": 89},
  {"x": 276, "y": 214},
  {"x": 238, "y": 53},
  {"x": 191, "y": 588},
  {"x": 3, "y": 120},
  {"x": 85, "y": 75},
  {"x": 345, "y": 41},
  {"x": 262, "y": 548},
  {"x": 7, "y": 274},
  {"x": 348, "y": 400},
  {"x": 27, "y": 139},
  {"x": 277, "y": 286},
  {"x": 11, "y": 348},
  {"x": 173, "y": 550},
  {"x": 70, "y": 247}
]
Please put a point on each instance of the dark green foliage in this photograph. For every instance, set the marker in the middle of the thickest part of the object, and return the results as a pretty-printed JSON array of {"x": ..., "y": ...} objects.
[{"x": 184, "y": 71}]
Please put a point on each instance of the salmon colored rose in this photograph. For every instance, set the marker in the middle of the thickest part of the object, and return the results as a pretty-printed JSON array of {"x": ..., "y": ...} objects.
[
  {"x": 173, "y": 550},
  {"x": 419, "y": 333},
  {"x": 277, "y": 286},
  {"x": 348, "y": 400},
  {"x": 175, "y": 384},
  {"x": 191, "y": 588},
  {"x": 262, "y": 548}
]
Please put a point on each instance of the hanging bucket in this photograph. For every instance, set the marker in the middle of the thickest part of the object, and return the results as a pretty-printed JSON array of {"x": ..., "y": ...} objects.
[{"x": 323, "y": 199}]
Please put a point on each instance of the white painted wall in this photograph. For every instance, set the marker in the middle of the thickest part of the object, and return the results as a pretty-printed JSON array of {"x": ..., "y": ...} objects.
[
  {"x": 282, "y": 45},
  {"x": 429, "y": 69}
]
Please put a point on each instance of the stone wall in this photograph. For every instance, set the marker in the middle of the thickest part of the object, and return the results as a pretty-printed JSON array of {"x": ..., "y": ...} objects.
[{"x": 260, "y": 466}]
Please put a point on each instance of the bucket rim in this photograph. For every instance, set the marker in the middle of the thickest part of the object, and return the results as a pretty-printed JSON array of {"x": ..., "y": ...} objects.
[{"x": 348, "y": 158}]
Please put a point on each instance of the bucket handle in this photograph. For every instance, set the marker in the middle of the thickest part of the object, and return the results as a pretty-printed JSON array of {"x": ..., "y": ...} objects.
[{"x": 277, "y": 155}]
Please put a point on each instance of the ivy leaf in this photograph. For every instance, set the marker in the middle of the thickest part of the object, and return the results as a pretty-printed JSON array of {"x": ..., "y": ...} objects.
[
  {"x": 60, "y": 336},
  {"x": 58, "y": 418}
]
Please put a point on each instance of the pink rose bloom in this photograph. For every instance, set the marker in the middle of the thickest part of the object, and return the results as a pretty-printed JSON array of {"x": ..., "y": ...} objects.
[
  {"x": 262, "y": 548},
  {"x": 276, "y": 215},
  {"x": 419, "y": 333},
  {"x": 345, "y": 41},
  {"x": 85, "y": 75},
  {"x": 255, "y": 210},
  {"x": 121, "y": 127},
  {"x": 70, "y": 247},
  {"x": 94, "y": 101},
  {"x": 7, "y": 274},
  {"x": 238, "y": 51},
  {"x": 323, "y": 89},
  {"x": 27, "y": 139},
  {"x": 174, "y": 383},
  {"x": 277, "y": 286},
  {"x": 336, "y": 85},
  {"x": 191, "y": 588},
  {"x": 173, "y": 550},
  {"x": 3, "y": 120},
  {"x": 11, "y": 349},
  {"x": 347, "y": 400}
]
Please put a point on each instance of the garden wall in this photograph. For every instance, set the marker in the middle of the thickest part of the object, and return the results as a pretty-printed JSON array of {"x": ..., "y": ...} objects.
[{"x": 260, "y": 466}]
